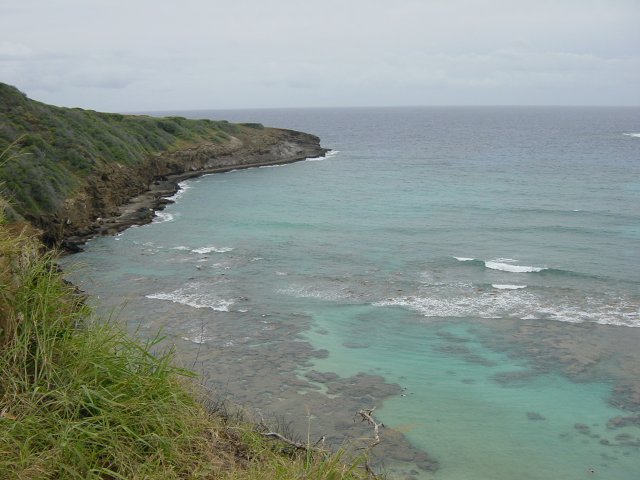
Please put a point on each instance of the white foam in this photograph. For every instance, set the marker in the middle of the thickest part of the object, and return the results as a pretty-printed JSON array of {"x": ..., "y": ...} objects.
[
  {"x": 508, "y": 287},
  {"x": 504, "y": 264},
  {"x": 212, "y": 249},
  {"x": 193, "y": 295},
  {"x": 637, "y": 135},
  {"x": 520, "y": 304},
  {"x": 182, "y": 188},
  {"x": 483, "y": 305},
  {"x": 307, "y": 292},
  {"x": 180, "y": 247},
  {"x": 506, "y": 267},
  {"x": 162, "y": 217},
  {"x": 326, "y": 156}
]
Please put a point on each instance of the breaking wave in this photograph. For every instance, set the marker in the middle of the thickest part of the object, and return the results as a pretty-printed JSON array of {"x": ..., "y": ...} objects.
[
  {"x": 506, "y": 267},
  {"x": 326, "y": 156},
  {"x": 162, "y": 217},
  {"x": 193, "y": 295},
  {"x": 519, "y": 303},
  {"x": 212, "y": 249},
  {"x": 182, "y": 188},
  {"x": 502, "y": 264}
]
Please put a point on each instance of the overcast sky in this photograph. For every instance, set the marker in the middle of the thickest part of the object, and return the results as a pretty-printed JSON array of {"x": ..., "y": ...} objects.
[{"x": 135, "y": 55}]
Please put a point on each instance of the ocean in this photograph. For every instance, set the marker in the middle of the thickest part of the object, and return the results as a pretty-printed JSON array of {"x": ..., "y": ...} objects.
[{"x": 471, "y": 272}]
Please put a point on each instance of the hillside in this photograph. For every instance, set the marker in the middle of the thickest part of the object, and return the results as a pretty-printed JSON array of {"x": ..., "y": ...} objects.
[
  {"x": 80, "y": 399},
  {"x": 72, "y": 168}
]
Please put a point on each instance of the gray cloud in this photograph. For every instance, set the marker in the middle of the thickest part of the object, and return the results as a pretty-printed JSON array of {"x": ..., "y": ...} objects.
[
  {"x": 10, "y": 51},
  {"x": 121, "y": 55}
]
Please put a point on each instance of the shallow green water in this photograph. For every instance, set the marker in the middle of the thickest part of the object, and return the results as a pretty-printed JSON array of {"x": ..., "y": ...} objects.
[
  {"x": 481, "y": 413},
  {"x": 483, "y": 259}
]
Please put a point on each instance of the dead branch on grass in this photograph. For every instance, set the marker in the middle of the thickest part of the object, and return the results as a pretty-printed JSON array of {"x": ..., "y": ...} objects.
[
  {"x": 307, "y": 447},
  {"x": 366, "y": 415}
]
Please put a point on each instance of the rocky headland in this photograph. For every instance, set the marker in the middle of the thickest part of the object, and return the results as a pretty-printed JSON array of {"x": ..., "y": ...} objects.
[
  {"x": 76, "y": 173},
  {"x": 119, "y": 196}
]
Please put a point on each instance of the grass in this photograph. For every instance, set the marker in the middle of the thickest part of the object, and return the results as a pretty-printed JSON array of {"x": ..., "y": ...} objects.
[
  {"x": 58, "y": 148},
  {"x": 80, "y": 399}
]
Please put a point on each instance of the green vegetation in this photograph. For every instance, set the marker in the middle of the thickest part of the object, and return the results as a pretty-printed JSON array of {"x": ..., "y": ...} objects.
[
  {"x": 79, "y": 399},
  {"x": 55, "y": 148}
]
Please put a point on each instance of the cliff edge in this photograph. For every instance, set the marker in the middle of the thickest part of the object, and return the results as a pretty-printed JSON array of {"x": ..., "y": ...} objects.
[{"x": 77, "y": 173}]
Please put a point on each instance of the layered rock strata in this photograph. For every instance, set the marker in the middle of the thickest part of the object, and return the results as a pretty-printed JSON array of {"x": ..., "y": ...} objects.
[{"x": 118, "y": 196}]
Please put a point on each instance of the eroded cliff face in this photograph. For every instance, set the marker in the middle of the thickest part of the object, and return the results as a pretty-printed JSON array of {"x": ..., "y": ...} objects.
[{"x": 117, "y": 196}]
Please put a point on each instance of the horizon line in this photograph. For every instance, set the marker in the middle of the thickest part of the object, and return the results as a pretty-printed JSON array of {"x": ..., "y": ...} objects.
[{"x": 375, "y": 106}]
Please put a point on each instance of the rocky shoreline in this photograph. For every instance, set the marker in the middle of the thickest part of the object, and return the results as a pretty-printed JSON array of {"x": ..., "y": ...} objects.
[{"x": 121, "y": 196}]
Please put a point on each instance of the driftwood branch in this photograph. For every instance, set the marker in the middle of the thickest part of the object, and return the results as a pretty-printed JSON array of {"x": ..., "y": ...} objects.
[
  {"x": 282, "y": 438},
  {"x": 307, "y": 447},
  {"x": 299, "y": 445},
  {"x": 366, "y": 415}
]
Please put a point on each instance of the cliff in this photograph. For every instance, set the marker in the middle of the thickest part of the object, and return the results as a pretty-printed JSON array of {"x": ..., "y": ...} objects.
[
  {"x": 79, "y": 398},
  {"x": 74, "y": 172},
  {"x": 82, "y": 400}
]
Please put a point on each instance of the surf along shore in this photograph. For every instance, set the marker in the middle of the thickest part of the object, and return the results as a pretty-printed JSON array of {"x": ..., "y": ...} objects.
[
  {"x": 122, "y": 197},
  {"x": 260, "y": 377},
  {"x": 334, "y": 413},
  {"x": 75, "y": 174},
  {"x": 564, "y": 351},
  {"x": 347, "y": 395}
]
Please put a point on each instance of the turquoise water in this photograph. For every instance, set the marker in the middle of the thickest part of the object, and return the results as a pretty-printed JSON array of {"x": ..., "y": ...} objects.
[
  {"x": 477, "y": 427},
  {"x": 485, "y": 260}
]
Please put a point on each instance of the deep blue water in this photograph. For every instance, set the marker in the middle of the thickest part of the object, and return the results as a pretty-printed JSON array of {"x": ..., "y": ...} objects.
[{"x": 512, "y": 232}]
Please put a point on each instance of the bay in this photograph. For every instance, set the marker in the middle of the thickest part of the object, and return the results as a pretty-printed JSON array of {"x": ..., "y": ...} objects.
[{"x": 478, "y": 265}]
